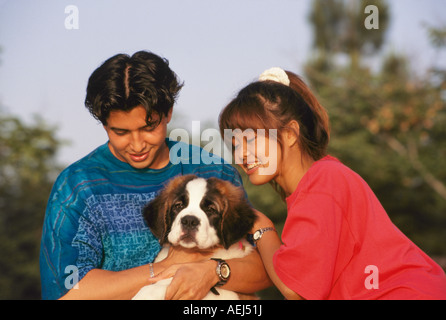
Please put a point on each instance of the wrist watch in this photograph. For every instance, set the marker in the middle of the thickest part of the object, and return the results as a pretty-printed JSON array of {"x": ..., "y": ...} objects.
[
  {"x": 259, "y": 233},
  {"x": 223, "y": 271}
]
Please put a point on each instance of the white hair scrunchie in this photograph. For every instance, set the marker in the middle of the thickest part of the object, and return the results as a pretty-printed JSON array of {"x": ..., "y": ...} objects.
[{"x": 275, "y": 74}]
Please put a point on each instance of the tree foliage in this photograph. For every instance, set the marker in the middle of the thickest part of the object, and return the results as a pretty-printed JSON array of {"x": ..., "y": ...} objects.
[
  {"x": 338, "y": 28},
  {"x": 387, "y": 124},
  {"x": 27, "y": 172}
]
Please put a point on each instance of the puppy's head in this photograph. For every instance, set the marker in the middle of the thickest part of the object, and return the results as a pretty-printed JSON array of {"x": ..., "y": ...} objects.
[{"x": 197, "y": 212}]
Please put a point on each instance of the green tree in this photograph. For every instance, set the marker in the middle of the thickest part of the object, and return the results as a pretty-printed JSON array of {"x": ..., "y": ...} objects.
[
  {"x": 388, "y": 125},
  {"x": 338, "y": 29},
  {"x": 27, "y": 171}
]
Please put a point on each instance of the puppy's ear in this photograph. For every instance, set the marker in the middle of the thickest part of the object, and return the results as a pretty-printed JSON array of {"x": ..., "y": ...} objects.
[
  {"x": 156, "y": 216},
  {"x": 238, "y": 217},
  {"x": 236, "y": 225},
  {"x": 157, "y": 212}
]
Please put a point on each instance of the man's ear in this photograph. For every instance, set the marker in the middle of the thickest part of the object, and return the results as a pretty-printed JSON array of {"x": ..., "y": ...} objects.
[{"x": 169, "y": 114}]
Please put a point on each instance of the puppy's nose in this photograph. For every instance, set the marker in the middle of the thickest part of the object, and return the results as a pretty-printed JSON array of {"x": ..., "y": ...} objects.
[{"x": 189, "y": 222}]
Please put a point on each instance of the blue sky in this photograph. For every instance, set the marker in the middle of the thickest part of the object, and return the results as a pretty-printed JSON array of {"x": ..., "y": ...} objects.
[{"x": 215, "y": 46}]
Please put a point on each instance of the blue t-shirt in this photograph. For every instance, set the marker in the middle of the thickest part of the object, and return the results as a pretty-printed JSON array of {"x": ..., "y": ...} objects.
[{"x": 94, "y": 214}]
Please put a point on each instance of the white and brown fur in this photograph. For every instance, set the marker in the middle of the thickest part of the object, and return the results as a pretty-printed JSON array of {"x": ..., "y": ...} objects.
[{"x": 201, "y": 214}]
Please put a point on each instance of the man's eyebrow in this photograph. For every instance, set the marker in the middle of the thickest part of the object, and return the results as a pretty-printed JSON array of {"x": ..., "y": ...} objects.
[
  {"x": 141, "y": 128},
  {"x": 118, "y": 129}
]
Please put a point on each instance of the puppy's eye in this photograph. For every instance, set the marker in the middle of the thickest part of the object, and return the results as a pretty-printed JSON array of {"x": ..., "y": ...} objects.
[
  {"x": 178, "y": 205},
  {"x": 211, "y": 208}
]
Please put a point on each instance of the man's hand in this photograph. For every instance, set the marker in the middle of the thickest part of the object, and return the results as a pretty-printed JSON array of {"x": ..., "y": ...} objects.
[
  {"x": 191, "y": 281},
  {"x": 193, "y": 274}
]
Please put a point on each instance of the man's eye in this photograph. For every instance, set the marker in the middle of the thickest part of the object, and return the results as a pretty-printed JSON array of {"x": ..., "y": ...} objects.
[
  {"x": 151, "y": 125},
  {"x": 150, "y": 128},
  {"x": 120, "y": 132}
]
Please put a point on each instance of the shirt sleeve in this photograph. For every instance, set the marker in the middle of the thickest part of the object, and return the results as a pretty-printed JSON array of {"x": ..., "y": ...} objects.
[
  {"x": 70, "y": 247},
  {"x": 306, "y": 260}
]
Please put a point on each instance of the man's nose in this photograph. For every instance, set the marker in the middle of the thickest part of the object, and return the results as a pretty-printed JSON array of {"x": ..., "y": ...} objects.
[{"x": 137, "y": 142}]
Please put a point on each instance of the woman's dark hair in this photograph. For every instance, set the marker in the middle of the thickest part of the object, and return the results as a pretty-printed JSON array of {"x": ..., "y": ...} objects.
[
  {"x": 272, "y": 105},
  {"x": 124, "y": 82}
]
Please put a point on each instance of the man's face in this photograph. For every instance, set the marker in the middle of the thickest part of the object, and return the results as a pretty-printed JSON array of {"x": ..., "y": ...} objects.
[{"x": 131, "y": 140}]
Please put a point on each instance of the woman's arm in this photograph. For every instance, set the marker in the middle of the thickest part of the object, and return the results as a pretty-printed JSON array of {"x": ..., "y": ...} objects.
[{"x": 267, "y": 246}]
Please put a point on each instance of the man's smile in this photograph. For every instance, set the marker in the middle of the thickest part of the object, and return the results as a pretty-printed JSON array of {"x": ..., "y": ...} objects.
[{"x": 139, "y": 157}]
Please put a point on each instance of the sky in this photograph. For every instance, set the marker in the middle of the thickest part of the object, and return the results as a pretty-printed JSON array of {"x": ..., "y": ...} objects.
[{"x": 215, "y": 46}]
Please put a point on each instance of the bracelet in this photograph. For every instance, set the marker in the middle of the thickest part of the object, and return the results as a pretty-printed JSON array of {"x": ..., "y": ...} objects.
[{"x": 152, "y": 274}]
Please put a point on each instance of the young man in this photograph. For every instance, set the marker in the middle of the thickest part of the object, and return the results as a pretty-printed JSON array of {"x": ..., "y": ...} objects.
[{"x": 95, "y": 244}]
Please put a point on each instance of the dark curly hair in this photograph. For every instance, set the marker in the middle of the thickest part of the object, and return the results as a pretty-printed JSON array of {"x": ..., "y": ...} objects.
[{"x": 124, "y": 82}]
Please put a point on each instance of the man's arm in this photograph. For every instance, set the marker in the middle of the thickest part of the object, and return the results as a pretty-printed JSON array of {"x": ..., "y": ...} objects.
[{"x": 107, "y": 285}]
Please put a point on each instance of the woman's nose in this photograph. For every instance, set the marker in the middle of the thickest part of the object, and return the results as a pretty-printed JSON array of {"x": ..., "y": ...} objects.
[{"x": 243, "y": 154}]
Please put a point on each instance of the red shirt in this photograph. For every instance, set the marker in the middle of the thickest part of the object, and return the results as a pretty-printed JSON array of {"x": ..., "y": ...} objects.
[{"x": 339, "y": 243}]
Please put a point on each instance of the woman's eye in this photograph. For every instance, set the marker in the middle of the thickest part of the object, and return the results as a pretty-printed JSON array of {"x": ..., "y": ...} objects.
[{"x": 250, "y": 141}]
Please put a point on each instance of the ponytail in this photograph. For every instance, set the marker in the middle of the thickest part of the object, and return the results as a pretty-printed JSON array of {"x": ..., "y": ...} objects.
[{"x": 321, "y": 122}]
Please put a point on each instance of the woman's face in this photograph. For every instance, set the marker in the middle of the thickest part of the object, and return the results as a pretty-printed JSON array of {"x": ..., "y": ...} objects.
[{"x": 258, "y": 154}]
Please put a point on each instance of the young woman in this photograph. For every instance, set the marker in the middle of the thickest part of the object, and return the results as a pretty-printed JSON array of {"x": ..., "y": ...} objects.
[{"x": 337, "y": 242}]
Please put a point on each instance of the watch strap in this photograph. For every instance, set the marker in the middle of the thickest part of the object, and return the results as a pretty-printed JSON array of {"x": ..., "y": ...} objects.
[
  {"x": 218, "y": 271},
  {"x": 260, "y": 232}
]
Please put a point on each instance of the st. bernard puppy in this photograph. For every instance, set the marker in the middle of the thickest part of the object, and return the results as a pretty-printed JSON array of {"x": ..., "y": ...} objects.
[{"x": 202, "y": 214}]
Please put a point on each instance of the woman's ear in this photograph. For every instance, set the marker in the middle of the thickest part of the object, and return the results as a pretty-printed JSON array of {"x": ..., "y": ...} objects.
[{"x": 291, "y": 133}]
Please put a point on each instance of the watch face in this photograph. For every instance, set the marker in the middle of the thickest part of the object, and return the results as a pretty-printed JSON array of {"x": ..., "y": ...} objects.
[
  {"x": 256, "y": 235},
  {"x": 225, "y": 271}
]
